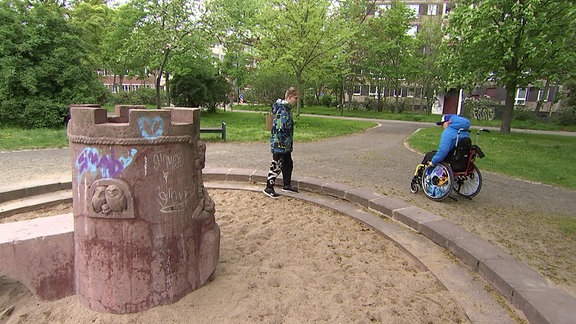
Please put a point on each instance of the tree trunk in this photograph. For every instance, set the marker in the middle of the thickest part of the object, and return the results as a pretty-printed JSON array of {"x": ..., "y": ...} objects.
[
  {"x": 508, "y": 109},
  {"x": 396, "y": 107},
  {"x": 300, "y": 92},
  {"x": 159, "y": 78},
  {"x": 541, "y": 100},
  {"x": 378, "y": 100},
  {"x": 120, "y": 83},
  {"x": 167, "y": 76},
  {"x": 342, "y": 95},
  {"x": 158, "y": 101}
]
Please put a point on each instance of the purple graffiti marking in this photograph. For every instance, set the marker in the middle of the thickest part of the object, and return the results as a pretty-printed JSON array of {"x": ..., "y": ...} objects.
[{"x": 90, "y": 160}]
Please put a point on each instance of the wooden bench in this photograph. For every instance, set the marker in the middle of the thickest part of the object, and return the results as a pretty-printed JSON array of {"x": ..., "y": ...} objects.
[{"x": 221, "y": 130}]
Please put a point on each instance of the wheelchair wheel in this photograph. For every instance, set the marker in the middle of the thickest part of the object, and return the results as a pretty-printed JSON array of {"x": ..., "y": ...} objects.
[
  {"x": 414, "y": 187},
  {"x": 437, "y": 181},
  {"x": 470, "y": 185}
]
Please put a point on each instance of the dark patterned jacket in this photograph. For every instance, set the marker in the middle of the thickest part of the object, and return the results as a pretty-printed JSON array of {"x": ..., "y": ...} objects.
[{"x": 282, "y": 128}]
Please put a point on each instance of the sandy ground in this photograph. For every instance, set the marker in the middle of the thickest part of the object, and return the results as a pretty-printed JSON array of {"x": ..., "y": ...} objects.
[{"x": 281, "y": 261}]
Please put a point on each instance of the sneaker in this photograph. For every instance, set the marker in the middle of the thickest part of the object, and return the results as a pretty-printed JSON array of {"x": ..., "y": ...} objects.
[
  {"x": 290, "y": 188},
  {"x": 270, "y": 192}
]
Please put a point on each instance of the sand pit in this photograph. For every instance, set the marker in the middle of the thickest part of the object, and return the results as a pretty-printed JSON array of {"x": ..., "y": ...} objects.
[{"x": 281, "y": 261}]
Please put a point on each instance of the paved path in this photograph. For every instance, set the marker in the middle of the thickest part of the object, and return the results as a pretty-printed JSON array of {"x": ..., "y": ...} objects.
[{"x": 376, "y": 159}]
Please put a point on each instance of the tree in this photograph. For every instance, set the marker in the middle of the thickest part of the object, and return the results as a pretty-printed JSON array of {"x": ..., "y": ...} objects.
[
  {"x": 299, "y": 33},
  {"x": 355, "y": 14},
  {"x": 388, "y": 50},
  {"x": 92, "y": 19},
  {"x": 233, "y": 23},
  {"x": 515, "y": 43},
  {"x": 269, "y": 82},
  {"x": 166, "y": 27},
  {"x": 430, "y": 73},
  {"x": 117, "y": 53},
  {"x": 199, "y": 89},
  {"x": 43, "y": 64}
]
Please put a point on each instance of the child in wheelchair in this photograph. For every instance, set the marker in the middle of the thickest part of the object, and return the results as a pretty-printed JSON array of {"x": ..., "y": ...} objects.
[
  {"x": 456, "y": 129},
  {"x": 452, "y": 165}
]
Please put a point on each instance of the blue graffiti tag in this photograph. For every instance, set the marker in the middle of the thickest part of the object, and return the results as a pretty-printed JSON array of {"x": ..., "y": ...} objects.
[
  {"x": 90, "y": 160},
  {"x": 151, "y": 128}
]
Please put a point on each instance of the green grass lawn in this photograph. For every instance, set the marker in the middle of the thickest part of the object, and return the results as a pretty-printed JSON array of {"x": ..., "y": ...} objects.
[
  {"x": 251, "y": 127},
  {"x": 12, "y": 138}
]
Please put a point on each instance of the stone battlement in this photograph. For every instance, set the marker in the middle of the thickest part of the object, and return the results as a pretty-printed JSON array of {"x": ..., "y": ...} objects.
[{"x": 133, "y": 122}]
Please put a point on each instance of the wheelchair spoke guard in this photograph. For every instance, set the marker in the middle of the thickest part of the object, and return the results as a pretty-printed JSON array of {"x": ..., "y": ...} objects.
[{"x": 437, "y": 181}]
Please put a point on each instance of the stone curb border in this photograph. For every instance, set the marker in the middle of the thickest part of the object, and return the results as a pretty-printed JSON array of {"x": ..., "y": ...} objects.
[{"x": 523, "y": 287}]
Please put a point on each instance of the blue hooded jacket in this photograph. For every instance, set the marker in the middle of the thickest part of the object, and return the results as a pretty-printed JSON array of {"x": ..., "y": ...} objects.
[
  {"x": 282, "y": 128},
  {"x": 449, "y": 136}
]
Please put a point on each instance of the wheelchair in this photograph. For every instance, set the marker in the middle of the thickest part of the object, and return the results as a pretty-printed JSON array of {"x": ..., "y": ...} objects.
[{"x": 456, "y": 173}]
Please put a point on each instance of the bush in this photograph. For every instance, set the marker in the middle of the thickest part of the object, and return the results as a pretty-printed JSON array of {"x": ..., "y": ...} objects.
[
  {"x": 355, "y": 105},
  {"x": 524, "y": 114},
  {"x": 199, "y": 90},
  {"x": 268, "y": 84},
  {"x": 34, "y": 113},
  {"x": 566, "y": 116},
  {"x": 370, "y": 104},
  {"x": 483, "y": 108},
  {"x": 310, "y": 100},
  {"x": 326, "y": 100}
]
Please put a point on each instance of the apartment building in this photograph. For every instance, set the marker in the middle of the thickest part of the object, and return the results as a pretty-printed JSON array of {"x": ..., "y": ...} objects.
[
  {"x": 450, "y": 101},
  {"x": 423, "y": 10},
  {"x": 112, "y": 82}
]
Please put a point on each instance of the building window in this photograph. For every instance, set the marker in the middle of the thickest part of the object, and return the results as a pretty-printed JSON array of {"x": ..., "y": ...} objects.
[
  {"x": 418, "y": 92},
  {"x": 373, "y": 90},
  {"x": 521, "y": 94},
  {"x": 412, "y": 31},
  {"x": 410, "y": 92},
  {"x": 381, "y": 8},
  {"x": 397, "y": 92},
  {"x": 432, "y": 9},
  {"x": 357, "y": 89},
  {"x": 415, "y": 9},
  {"x": 543, "y": 94}
]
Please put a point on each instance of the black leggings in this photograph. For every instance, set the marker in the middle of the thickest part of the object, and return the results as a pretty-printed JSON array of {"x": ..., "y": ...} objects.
[
  {"x": 428, "y": 157},
  {"x": 280, "y": 163}
]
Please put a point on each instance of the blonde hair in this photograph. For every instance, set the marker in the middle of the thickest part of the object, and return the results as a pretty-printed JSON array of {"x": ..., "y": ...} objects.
[{"x": 291, "y": 92}]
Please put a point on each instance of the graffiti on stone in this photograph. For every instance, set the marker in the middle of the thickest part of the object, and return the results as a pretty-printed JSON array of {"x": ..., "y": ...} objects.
[
  {"x": 172, "y": 196},
  {"x": 167, "y": 162},
  {"x": 108, "y": 165},
  {"x": 151, "y": 128},
  {"x": 175, "y": 200}
]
